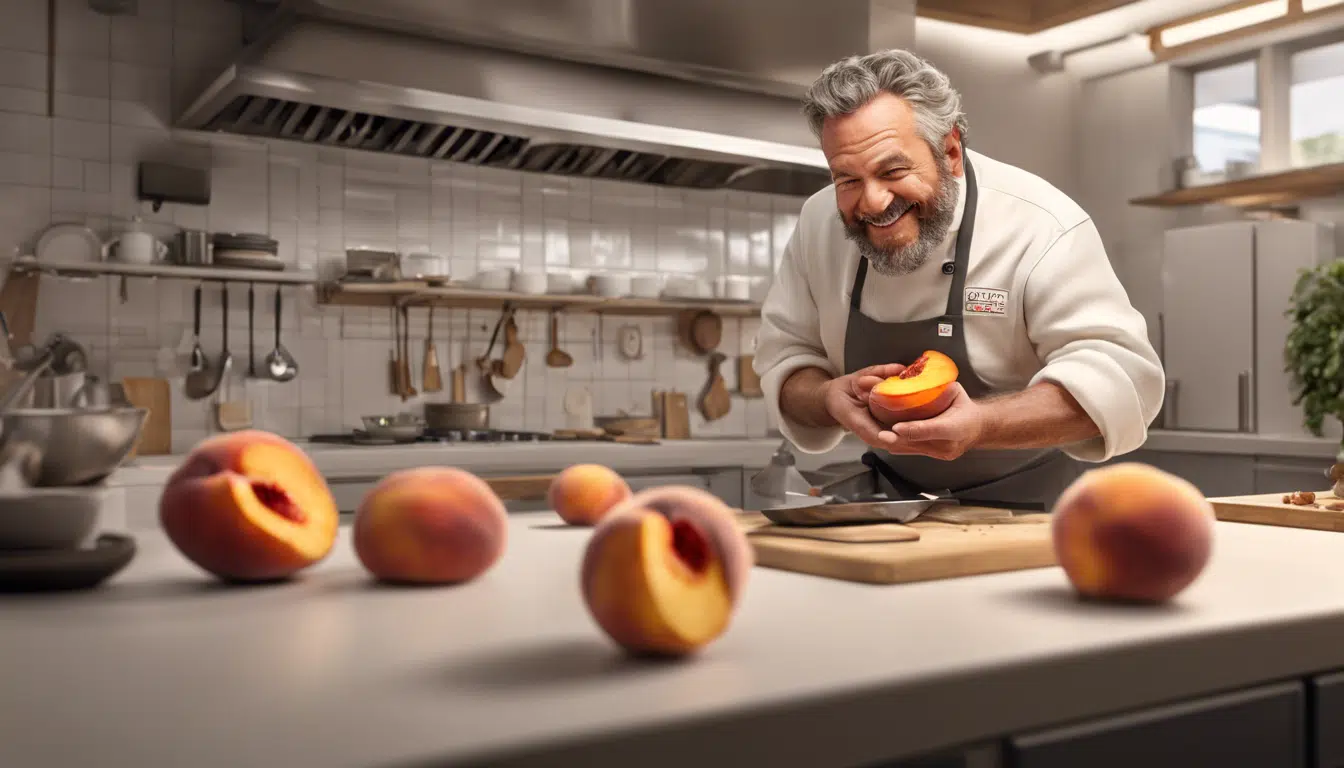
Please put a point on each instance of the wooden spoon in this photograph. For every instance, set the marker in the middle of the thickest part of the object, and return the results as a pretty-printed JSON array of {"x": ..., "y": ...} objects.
[
  {"x": 512, "y": 360},
  {"x": 557, "y": 358}
]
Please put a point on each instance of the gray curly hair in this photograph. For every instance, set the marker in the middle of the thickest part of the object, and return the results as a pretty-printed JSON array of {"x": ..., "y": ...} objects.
[{"x": 850, "y": 83}]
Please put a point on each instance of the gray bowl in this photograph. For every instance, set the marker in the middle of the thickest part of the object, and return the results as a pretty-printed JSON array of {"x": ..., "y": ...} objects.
[
  {"x": 49, "y": 518},
  {"x": 76, "y": 446}
]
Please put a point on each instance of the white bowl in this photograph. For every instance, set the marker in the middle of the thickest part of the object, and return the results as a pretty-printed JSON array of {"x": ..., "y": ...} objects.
[
  {"x": 735, "y": 287},
  {"x": 686, "y": 287},
  {"x": 533, "y": 283},
  {"x": 646, "y": 286},
  {"x": 611, "y": 285},
  {"x": 561, "y": 283},
  {"x": 49, "y": 518},
  {"x": 494, "y": 279}
]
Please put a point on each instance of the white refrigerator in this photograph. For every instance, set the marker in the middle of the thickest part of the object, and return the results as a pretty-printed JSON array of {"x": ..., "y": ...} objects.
[{"x": 1225, "y": 290}]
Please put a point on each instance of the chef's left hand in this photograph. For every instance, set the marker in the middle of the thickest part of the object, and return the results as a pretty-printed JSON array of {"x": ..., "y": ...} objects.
[{"x": 945, "y": 436}]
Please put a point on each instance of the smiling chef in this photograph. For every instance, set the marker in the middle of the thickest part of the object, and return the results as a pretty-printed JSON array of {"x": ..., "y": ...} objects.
[{"x": 937, "y": 247}]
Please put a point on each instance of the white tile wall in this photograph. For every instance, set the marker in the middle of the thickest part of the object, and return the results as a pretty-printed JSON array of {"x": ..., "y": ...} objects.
[{"x": 118, "y": 81}]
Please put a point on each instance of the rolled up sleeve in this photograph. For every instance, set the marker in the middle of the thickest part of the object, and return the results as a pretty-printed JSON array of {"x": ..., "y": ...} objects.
[
  {"x": 1093, "y": 342},
  {"x": 790, "y": 339}
]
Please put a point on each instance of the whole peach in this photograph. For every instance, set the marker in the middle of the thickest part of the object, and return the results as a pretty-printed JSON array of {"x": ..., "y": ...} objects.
[
  {"x": 1130, "y": 531},
  {"x": 584, "y": 493},
  {"x": 664, "y": 572},
  {"x": 432, "y": 525},
  {"x": 249, "y": 506}
]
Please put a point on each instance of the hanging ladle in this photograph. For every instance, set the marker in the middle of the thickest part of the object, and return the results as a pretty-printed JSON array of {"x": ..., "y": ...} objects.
[{"x": 280, "y": 363}]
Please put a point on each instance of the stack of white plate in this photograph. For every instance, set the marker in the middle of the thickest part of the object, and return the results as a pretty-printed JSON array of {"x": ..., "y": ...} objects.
[{"x": 246, "y": 251}]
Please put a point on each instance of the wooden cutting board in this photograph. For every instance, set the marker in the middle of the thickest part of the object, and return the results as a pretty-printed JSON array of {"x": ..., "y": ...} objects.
[
  {"x": 943, "y": 550},
  {"x": 676, "y": 416},
  {"x": 715, "y": 402},
  {"x": 156, "y": 436},
  {"x": 1269, "y": 509}
]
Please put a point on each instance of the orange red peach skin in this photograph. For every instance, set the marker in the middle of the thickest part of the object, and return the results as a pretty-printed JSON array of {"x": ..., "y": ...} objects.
[
  {"x": 663, "y": 573},
  {"x": 1132, "y": 532},
  {"x": 249, "y": 506},
  {"x": 584, "y": 493},
  {"x": 923, "y": 391},
  {"x": 433, "y": 525}
]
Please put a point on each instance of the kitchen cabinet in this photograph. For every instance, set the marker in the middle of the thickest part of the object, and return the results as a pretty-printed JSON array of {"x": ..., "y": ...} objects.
[
  {"x": 1207, "y": 325},
  {"x": 1225, "y": 288},
  {"x": 1214, "y": 474},
  {"x": 1327, "y": 699},
  {"x": 1282, "y": 474},
  {"x": 1258, "y": 728}
]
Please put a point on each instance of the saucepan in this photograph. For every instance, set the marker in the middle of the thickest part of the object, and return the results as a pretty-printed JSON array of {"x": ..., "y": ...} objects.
[
  {"x": 454, "y": 416},
  {"x": 402, "y": 427}
]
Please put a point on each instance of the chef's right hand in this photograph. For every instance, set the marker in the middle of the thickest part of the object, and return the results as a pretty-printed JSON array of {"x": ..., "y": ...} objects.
[{"x": 846, "y": 400}]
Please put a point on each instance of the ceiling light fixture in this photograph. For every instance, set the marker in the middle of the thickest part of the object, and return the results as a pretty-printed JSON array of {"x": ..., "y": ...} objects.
[
  {"x": 1109, "y": 57},
  {"x": 1308, "y": 6},
  {"x": 1222, "y": 23}
]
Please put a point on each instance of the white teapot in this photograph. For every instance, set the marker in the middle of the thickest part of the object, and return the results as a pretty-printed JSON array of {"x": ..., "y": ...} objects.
[{"x": 135, "y": 245}]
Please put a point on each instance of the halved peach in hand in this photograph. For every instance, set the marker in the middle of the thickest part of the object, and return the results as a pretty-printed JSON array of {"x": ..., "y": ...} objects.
[
  {"x": 923, "y": 390},
  {"x": 663, "y": 573},
  {"x": 1132, "y": 532},
  {"x": 584, "y": 493},
  {"x": 249, "y": 506},
  {"x": 432, "y": 525}
]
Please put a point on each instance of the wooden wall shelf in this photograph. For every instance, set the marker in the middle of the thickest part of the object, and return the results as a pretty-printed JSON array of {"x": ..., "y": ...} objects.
[
  {"x": 166, "y": 271},
  {"x": 422, "y": 294},
  {"x": 1266, "y": 191}
]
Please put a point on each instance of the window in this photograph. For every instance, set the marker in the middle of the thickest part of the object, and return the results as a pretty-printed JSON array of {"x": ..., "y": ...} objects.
[
  {"x": 1226, "y": 116},
  {"x": 1316, "y": 101}
]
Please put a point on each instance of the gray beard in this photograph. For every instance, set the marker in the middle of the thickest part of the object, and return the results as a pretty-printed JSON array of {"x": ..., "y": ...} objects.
[{"x": 933, "y": 229}]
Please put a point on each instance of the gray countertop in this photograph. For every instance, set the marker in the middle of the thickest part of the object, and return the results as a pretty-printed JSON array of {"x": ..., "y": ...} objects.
[
  {"x": 162, "y": 667},
  {"x": 343, "y": 461},
  {"x": 348, "y": 461}
]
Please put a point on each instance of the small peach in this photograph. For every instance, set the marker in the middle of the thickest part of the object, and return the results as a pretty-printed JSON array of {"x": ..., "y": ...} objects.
[
  {"x": 1132, "y": 532},
  {"x": 432, "y": 525},
  {"x": 664, "y": 572},
  {"x": 249, "y": 506},
  {"x": 584, "y": 493}
]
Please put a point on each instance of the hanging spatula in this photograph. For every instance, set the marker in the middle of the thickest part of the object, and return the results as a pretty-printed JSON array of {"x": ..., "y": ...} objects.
[{"x": 433, "y": 377}]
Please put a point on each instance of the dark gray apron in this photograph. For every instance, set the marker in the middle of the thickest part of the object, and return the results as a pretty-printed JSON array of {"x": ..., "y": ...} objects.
[{"x": 1021, "y": 479}]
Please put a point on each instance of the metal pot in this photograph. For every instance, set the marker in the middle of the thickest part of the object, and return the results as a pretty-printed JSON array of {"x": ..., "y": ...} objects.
[
  {"x": 73, "y": 446},
  {"x": 193, "y": 247},
  {"x": 457, "y": 416}
]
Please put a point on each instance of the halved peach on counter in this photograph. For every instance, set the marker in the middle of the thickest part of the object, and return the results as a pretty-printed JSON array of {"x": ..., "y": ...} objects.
[
  {"x": 923, "y": 390},
  {"x": 249, "y": 506},
  {"x": 584, "y": 493},
  {"x": 431, "y": 525},
  {"x": 664, "y": 572},
  {"x": 1132, "y": 532}
]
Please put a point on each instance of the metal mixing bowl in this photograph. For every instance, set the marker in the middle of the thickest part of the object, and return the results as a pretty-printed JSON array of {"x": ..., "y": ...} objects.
[
  {"x": 401, "y": 427},
  {"x": 78, "y": 446}
]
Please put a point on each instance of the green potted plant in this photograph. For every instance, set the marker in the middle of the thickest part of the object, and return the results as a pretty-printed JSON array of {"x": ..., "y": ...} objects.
[{"x": 1314, "y": 350}]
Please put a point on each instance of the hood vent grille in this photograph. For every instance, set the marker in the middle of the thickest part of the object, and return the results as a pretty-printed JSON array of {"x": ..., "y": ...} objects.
[{"x": 309, "y": 123}]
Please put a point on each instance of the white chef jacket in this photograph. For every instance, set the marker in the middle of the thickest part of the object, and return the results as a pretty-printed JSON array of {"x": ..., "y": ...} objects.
[{"x": 1042, "y": 304}]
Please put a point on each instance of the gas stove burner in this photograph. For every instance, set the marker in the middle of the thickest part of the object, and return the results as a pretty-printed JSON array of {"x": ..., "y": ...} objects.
[
  {"x": 485, "y": 435},
  {"x": 358, "y": 437}
]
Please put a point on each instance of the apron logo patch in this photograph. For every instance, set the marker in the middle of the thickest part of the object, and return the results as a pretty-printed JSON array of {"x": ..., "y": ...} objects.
[
  {"x": 944, "y": 329},
  {"x": 986, "y": 301}
]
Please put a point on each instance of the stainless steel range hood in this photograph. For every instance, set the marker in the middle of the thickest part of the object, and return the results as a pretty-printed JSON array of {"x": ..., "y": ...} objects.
[{"x": 684, "y": 94}]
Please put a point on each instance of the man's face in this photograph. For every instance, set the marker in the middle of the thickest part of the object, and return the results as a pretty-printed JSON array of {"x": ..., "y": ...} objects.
[{"x": 896, "y": 197}]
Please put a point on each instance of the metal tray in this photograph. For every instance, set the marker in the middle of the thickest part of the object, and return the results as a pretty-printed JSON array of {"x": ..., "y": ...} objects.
[{"x": 900, "y": 511}]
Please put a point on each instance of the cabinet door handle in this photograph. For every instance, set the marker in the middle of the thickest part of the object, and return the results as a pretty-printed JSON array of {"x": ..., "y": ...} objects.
[
  {"x": 1162, "y": 340},
  {"x": 1169, "y": 404},
  {"x": 1245, "y": 416}
]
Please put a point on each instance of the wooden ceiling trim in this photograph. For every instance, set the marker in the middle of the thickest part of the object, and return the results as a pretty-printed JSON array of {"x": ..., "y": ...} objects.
[{"x": 1020, "y": 16}]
